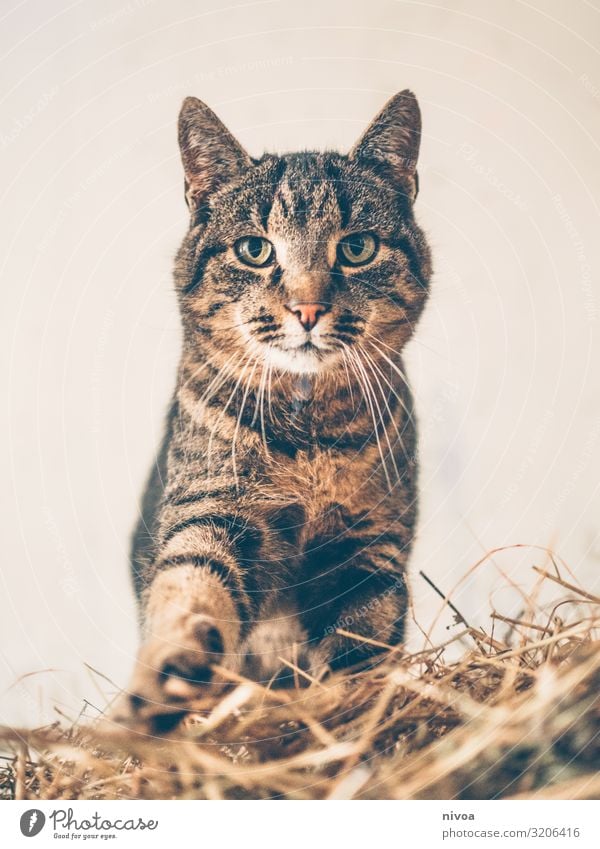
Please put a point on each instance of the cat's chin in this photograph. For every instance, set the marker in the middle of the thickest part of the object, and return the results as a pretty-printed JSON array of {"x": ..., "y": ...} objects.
[{"x": 301, "y": 360}]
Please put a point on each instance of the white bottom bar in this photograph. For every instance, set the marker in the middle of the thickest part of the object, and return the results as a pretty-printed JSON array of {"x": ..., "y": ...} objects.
[{"x": 302, "y": 825}]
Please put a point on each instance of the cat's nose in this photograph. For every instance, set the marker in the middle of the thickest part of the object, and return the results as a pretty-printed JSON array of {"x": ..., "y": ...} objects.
[{"x": 307, "y": 314}]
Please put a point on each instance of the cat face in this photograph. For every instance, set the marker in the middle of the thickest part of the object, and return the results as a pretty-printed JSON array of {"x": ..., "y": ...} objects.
[{"x": 294, "y": 260}]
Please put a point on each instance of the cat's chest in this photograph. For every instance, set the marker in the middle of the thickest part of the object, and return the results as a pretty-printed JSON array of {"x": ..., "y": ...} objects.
[{"x": 318, "y": 478}]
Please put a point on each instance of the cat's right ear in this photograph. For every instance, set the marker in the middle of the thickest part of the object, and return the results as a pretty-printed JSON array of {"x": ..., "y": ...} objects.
[{"x": 211, "y": 156}]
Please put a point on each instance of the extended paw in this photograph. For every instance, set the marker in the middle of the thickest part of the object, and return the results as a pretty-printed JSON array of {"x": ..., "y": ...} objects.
[{"x": 169, "y": 673}]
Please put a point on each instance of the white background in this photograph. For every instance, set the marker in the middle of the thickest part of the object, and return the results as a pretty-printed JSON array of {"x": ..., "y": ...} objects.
[{"x": 506, "y": 362}]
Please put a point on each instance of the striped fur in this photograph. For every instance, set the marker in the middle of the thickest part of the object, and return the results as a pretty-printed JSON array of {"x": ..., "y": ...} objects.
[{"x": 283, "y": 502}]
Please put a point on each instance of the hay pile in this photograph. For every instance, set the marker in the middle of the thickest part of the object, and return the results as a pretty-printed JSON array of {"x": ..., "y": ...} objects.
[{"x": 517, "y": 715}]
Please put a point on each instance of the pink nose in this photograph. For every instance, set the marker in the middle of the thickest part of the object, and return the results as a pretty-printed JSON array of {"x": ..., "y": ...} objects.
[{"x": 307, "y": 314}]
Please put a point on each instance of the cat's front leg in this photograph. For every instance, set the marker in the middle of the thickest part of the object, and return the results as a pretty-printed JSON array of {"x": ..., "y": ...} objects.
[
  {"x": 195, "y": 609},
  {"x": 366, "y": 597},
  {"x": 191, "y": 625}
]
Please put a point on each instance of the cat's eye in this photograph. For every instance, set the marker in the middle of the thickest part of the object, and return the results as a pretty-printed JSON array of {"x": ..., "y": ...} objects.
[
  {"x": 254, "y": 250},
  {"x": 357, "y": 249}
]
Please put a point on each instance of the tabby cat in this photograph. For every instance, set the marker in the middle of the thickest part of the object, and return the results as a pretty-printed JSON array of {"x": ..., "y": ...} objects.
[{"x": 281, "y": 508}]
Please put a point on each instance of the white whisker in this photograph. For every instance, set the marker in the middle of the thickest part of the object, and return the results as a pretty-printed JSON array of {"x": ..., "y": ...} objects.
[
  {"x": 216, "y": 382},
  {"x": 260, "y": 406},
  {"x": 224, "y": 410},
  {"x": 379, "y": 413},
  {"x": 398, "y": 372},
  {"x": 366, "y": 394},
  {"x": 375, "y": 368},
  {"x": 345, "y": 362},
  {"x": 239, "y": 420}
]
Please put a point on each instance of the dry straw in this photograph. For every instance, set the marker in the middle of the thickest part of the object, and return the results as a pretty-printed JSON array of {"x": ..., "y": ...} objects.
[{"x": 516, "y": 716}]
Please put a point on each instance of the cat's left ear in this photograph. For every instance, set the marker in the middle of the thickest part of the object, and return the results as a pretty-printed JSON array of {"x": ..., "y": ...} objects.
[
  {"x": 390, "y": 144},
  {"x": 211, "y": 156}
]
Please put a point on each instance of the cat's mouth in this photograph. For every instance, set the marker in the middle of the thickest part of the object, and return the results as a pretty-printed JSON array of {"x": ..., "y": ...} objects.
[
  {"x": 306, "y": 357},
  {"x": 287, "y": 347},
  {"x": 309, "y": 345}
]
